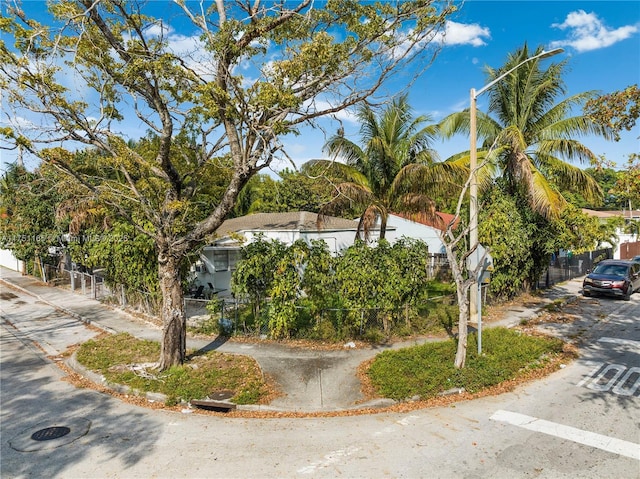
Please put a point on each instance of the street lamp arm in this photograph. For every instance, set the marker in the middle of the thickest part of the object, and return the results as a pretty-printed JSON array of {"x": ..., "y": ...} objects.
[{"x": 543, "y": 54}]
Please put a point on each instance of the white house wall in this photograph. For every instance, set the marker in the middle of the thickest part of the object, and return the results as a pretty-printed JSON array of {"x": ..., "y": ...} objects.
[
  {"x": 337, "y": 241},
  {"x": 8, "y": 260},
  {"x": 411, "y": 229}
]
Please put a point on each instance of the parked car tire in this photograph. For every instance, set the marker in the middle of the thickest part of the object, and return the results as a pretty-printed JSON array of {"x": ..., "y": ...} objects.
[
  {"x": 586, "y": 293},
  {"x": 627, "y": 296}
]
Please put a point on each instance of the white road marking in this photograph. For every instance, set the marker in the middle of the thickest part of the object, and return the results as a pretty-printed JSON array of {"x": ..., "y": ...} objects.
[
  {"x": 590, "y": 375},
  {"x": 620, "y": 387},
  {"x": 407, "y": 420},
  {"x": 331, "y": 458},
  {"x": 606, "y": 443},
  {"x": 597, "y": 385},
  {"x": 626, "y": 342}
]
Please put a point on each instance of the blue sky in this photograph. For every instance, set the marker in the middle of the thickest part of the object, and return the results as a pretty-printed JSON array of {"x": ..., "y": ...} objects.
[{"x": 601, "y": 40}]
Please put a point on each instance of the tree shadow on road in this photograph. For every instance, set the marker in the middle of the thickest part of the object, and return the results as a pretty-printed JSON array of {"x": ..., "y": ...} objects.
[{"x": 34, "y": 397}]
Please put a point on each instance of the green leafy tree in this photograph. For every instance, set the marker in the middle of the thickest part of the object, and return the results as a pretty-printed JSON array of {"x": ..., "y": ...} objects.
[
  {"x": 618, "y": 110},
  {"x": 250, "y": 198},
  {"x": 295, "y": 191},
  {"x": 253, "y": 277},
  {"x": 528, "y": 138},
  {"x": 28, "y": 202},
  {"x": 308, "y": 63},
  {"x": 510, "y": 246},
  {"x": 410, "y": 258},
  {"x": 285, "y": 289},
  {"x": 627, "y": 186},
  {"x": 127, "y": 258},
  {"x": 394, "y": 171},
  {"x": 606, "y": 178},
  {"x": 319, "y": 283},
  {"x": 383, "y": 277},
  {"x": 579, "y": 232}
]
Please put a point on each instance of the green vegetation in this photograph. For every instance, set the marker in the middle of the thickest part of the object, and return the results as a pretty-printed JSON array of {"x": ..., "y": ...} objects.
[
  {"x": 206, "y": 130},
  {"x": 28, "y": 205},
  {"x": 427, "y": 370},
  {"x": 421, "y": 371},
  {"x": 123, "y": 359},
  {"x": 149, "y": 204},
  {"x": 372, "y": 292}
]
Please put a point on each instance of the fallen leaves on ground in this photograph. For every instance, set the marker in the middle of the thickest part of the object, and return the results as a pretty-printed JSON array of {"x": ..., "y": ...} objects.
[{"x": 564, "y": 314}]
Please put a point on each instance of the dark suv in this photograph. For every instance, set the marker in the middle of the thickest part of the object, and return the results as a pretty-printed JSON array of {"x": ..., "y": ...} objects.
[{"x": 613, "y": 277}]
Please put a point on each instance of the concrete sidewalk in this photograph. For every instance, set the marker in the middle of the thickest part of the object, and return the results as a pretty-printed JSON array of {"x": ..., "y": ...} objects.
[{"x": 310, "y": 380}]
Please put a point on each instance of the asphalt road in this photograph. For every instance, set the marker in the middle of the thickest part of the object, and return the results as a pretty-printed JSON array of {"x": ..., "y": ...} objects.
[{"x": 581, "y": 422}]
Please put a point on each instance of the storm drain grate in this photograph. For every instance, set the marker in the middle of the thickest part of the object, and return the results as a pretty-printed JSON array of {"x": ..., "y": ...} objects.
[{"x": 49, "y": 433}]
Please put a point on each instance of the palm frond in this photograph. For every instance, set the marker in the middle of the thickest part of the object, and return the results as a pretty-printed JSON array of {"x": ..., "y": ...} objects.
[
  {"x": 417, "y": 206},
  {"x": 335, "y": 171},
  {"x": 339, "y": 147},
  {"x": 431, "y": 180},
  {"x": 570, "y": 149},
  {"x": 543, "y": 198},
  {"x": 369, "y": 219},
  {"x": 453, "y": 124},
  {"x": 571, "y": 178}
]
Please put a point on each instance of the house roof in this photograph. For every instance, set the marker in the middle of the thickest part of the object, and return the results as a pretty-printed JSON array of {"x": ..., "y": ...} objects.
[
  {"x": 292, "y": 221},
  {"x": 422, "y": 219},
  {"x": 612, "y": 214}
]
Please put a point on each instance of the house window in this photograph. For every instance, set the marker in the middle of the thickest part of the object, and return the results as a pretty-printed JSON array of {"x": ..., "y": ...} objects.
[
  {"x": 225, "y": 260},
  {"x": 221, "y": 260},
  {"x": 234, "y": 257}
]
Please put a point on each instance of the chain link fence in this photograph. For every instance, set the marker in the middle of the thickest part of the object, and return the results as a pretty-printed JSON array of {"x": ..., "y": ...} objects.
[{"x": 232, "y": 316}]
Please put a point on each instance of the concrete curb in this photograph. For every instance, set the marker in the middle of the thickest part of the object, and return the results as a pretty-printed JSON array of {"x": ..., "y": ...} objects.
[{"x": 72, "y": 362}]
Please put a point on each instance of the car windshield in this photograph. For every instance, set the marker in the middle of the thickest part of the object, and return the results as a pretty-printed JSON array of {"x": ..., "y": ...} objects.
[{"x": 613, "y": 269}]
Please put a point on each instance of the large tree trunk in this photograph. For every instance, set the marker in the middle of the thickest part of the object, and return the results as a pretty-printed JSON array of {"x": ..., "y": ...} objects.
[{"x": 174, "y": 321}]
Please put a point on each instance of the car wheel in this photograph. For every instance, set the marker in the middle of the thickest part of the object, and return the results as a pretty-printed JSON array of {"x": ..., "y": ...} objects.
[
  {"x": 627, "y": 296},
  {"x": 586, "y": 293}
]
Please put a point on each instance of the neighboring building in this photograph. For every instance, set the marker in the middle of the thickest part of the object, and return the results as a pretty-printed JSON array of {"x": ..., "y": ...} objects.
[
  {"x": 416, "y": 226},
  {"x": 8, "y": 260},
  {"x": 628, "y": 243}
]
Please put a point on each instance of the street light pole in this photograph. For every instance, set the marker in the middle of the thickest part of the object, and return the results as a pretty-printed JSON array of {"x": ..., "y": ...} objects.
[{"x": 473, "y": 166}]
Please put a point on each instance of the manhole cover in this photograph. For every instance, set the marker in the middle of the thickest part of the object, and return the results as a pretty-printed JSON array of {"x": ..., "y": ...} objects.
[{"x": 49, "y": 433}]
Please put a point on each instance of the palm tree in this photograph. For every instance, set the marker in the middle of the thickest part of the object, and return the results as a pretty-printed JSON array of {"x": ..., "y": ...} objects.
[
  {"x": 394, "y": 171},
  {"x": 531, "y": 135}
]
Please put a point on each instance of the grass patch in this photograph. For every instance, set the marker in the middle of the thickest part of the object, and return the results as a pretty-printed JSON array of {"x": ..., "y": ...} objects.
[
  {"x": 126, "y": 360},
  {"x": 427, "y": 370}
]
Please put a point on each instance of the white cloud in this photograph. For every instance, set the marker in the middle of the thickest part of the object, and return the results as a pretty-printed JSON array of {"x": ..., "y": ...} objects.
[
  {"x": 463, "y": 34},
  {"x": 587, "y": 32},
  {"x": 19, "y": 122},
  {"x": 158, "y": 29}
]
